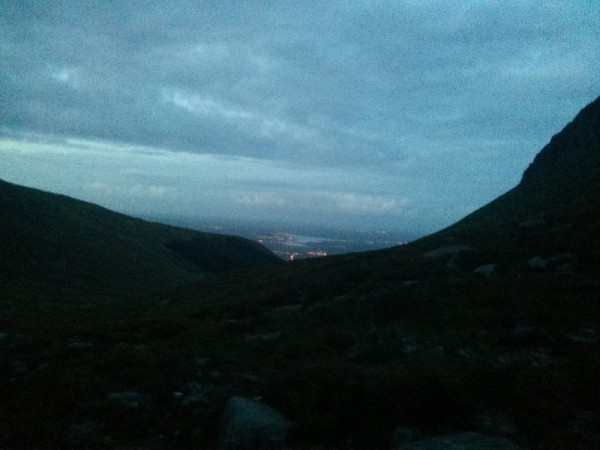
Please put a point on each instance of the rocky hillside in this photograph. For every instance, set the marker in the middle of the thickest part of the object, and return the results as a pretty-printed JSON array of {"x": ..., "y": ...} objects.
[
  {"x": 52, "y": 241},
  {"x": 562, "y": 183}
]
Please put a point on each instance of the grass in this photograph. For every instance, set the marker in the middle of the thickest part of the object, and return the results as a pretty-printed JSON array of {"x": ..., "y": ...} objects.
[{"x": 343, "y": 346}]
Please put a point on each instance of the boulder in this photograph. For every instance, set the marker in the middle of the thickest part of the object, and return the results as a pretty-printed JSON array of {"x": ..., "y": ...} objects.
[
  {"x": 462, "y": 441},
  {"x": 248, "y": 424},
  {"x": 487, "y": 270},
  {"x": 537, "y": 263}
]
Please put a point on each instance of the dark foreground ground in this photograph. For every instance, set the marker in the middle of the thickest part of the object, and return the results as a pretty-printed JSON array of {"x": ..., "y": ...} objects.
[{"x": 352, "y": 349}]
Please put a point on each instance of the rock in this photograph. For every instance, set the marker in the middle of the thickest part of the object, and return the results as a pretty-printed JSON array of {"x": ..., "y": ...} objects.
[
  {"x": 80, "y": 345},
  {"x": 251, "y": 425},
  {"x": 19, "y": 367},
  {"x": 195, "y": 394},
  {"x": 408, "y": 346},
  {"x": 130, "y": 400},
  {"x": 565, "y": 263},
  {"x": 533, "y": 223},
  {"x": 487, "y": 270},
  {"x": 403, "y": 435},
  {"x": 12, "y": 340},
  {"x": 567, "y": 268},
  {"x": 539, "y": 358},
  {"x": 462, "y": 441},
  {"x": 586, "y": 336},
  {"x": 434, "y": 352},
  {"x": 585, "y": 422},
  {"x": 468, "y": 355},
  {"x": 562, "y": 229},
  {"x": 524, "y": 332},
  {"x": 494, "y": 423},
  {"x": 447, "y": 252},
  {"x": 537, "y": 263},
  {"x": 288, "y": 308},
  {"x": 81, "y": 428},
  {"x": 264, "y": 337},
  {"x": 450, "y": 255}
]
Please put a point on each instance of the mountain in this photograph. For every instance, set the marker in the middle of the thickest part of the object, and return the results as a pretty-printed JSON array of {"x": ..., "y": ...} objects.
[
  {"x": 552, "y": 213},
  {"x": 56, "y": 241},
  {"x": 483, "y": 335},
  {"x": 559, "y": 188}
]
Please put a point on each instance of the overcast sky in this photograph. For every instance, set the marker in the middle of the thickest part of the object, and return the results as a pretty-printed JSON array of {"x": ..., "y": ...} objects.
[{"x": 403, "y": 115}]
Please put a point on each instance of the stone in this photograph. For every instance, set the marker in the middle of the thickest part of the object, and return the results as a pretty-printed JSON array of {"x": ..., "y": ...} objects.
[
  {"x": 493, "y": 423},
  {"x": 562, "y": 229},
  {"x": 264, "y": 337},
  {"x": 403, "y": 435},
  {"x": 195, "y": 394},
  {"x": 19, "y": 367},
  {"x": 461, "y": 441},
  {"x": 79, "y": 345},
  {"x": 129, "y": 400},
  {"x": 487, "y": 270},
  {"x": 565, "y": 263},
  {"x": 537, "y": 263},
  {"x": 447, "y": 252},
  {"x": 248, "y": 424},
  {"x": 81, "y": 428},
  {"x": 524, "y": 332},
  {"x": 539, "y": 358},
  {"x": 533, "y": 223},
  {"x": 586, "y": 336},
  {"x": 288, "y": 308},
  {"x": 585, "y": 422}
]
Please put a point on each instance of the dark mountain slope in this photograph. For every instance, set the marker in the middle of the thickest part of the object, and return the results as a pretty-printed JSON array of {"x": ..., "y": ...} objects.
[
  {"x": 554, "y": 209},
  {"x": 53, "y": 240},
  {"x": 562, "y": 183}
]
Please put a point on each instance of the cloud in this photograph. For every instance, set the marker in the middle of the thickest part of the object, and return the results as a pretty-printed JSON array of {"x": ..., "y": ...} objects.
[{"x": 427, "y": 97}]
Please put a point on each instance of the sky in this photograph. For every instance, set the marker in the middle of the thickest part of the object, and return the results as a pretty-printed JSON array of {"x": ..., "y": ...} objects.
[{"x": 403, "y": 115}]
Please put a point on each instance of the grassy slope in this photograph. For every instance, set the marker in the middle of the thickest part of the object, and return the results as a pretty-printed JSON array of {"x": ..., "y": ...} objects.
[
  {"x": 56, "y": 241},
  {"x": 343, "y": 346},
  {"x": 349, "y": 347}
]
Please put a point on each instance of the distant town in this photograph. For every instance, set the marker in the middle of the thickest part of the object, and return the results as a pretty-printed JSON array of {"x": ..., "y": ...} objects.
[
  {"x": 289, "y": 246},
  {"x": 292, "y": 242}
]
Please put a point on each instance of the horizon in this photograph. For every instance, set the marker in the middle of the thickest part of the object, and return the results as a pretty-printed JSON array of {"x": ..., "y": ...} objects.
[{"x": 287, "y": 113}]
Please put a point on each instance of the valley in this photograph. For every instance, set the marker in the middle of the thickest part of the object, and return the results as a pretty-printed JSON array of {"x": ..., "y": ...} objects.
[
  {"x": 294, "y": 241},
  {"x": 118, "y": 332}
]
